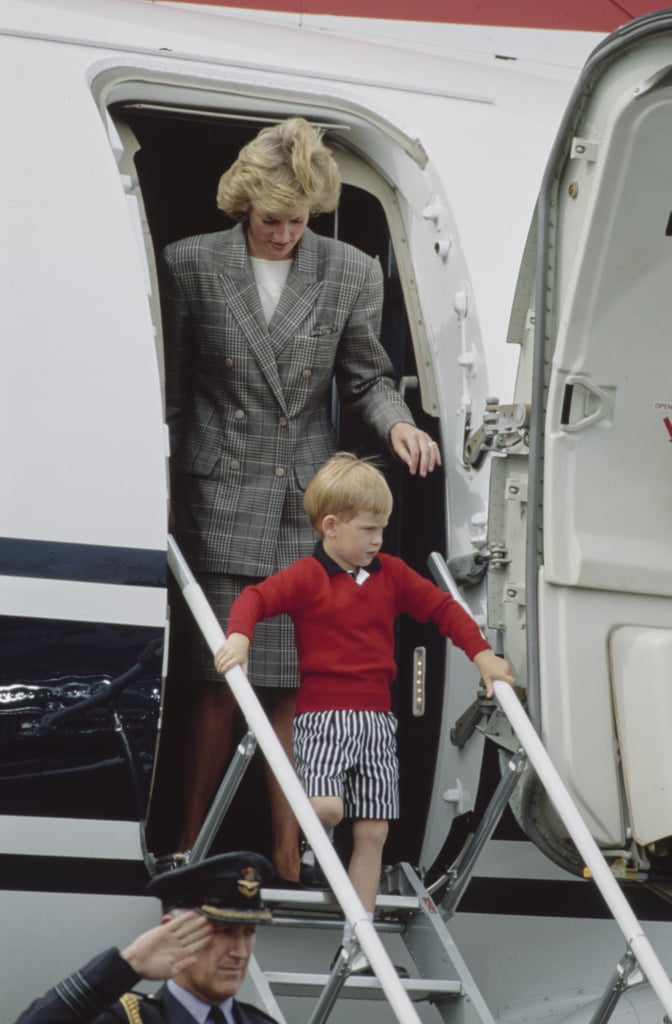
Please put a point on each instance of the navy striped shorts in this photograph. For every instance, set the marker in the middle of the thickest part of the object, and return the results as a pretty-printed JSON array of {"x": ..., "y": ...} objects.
[{"x": 351, "y": 754}]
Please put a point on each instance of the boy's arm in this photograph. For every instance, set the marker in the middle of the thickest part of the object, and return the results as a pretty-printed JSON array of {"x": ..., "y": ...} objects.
[
  {"x": 276, "y": 595},
  {"x": 232, "y": 652},
  {"x": 492, "y": 667},
  {"x": 247, "y": 610},
  {"x": 427, "y": 602}
]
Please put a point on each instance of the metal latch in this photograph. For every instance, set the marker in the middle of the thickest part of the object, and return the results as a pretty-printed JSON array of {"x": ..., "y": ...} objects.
[
  {"x": 504, "y": 427},
  {"x": 465, "y": 725}
]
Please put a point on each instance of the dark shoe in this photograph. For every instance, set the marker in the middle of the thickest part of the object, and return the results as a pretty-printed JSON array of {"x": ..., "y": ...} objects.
[
  {"x": 285, "y": 883},
  {"x": 170, "y": 861},
  {"x": 312, "y": 877}
]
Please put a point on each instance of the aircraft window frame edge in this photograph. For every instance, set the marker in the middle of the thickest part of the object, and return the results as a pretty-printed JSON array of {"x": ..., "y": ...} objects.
[{"x": 355, "y": 170}]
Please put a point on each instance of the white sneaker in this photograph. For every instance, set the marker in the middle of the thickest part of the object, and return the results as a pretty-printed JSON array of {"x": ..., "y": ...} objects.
[{"x": 359, "y": 964}]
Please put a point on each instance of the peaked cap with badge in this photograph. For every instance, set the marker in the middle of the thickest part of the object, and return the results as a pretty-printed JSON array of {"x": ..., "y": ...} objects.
[{"x": 224, "y": 888}]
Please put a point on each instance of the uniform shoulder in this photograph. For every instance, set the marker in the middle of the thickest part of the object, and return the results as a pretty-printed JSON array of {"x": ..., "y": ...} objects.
[
  {"x": 136, "y": 1008},
  {"x": 130, "y": 1003},
  {"x": 253, "y": 1013}
]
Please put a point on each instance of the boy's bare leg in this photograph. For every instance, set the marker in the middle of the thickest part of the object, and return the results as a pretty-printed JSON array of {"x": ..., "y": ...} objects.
[
  {"x": 368, "y": 840},
  {"x": 329, "y": 810}
]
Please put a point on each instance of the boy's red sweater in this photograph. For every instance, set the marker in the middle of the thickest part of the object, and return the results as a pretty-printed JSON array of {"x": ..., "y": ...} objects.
[{"x": 345, "y": 630}]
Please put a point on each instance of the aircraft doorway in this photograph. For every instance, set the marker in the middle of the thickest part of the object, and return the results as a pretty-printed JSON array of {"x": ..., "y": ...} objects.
[{"x": 178, "y": 162}]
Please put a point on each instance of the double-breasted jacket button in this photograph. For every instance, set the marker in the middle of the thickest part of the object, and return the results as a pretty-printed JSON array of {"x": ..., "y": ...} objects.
[
  {"x": 282, "y": 421},
  {"x": 239, "y": 414},
  {"x": 234, "y": 464},
  {"x": 228, "y": 362},
  {"x": 306, "y": 374},
  {"x": 279, "y": 471}
]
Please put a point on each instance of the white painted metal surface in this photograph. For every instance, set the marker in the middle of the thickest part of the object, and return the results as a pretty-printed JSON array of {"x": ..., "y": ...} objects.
[
  {"x": 460, "y": 141},
  {"x": 640, "y": 668},
  {"x": 632, "y": 931}
]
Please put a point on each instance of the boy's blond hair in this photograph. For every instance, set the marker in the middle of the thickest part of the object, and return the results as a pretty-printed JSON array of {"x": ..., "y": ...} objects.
[{"x": 345, "y": 486}]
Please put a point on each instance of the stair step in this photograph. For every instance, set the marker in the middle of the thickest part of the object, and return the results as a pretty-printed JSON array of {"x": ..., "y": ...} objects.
[
  {"x": 360, "y": 986},
  {"x": 323, "y": 899}
]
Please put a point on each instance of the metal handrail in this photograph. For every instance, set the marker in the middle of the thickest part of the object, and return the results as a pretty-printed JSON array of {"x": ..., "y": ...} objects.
[
  {"x": 281, "y": 767},
  {"x": 585, "y": 844}
]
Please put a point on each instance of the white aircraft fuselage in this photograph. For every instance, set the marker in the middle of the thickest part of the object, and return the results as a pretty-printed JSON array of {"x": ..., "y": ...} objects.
[{"x": 501, "y": 188}]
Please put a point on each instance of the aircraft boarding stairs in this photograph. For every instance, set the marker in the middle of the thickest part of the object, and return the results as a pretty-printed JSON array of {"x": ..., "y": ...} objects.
[
  {"x": 405, "y": 909},
  {"x": 436, "y": 971}
]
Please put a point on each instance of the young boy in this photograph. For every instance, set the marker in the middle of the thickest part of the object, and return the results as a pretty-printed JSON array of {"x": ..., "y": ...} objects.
[{"x": 343, "y": 600}]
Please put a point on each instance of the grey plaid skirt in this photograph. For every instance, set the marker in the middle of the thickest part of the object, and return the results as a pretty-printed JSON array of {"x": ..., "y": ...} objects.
[{"x": 273, "y": 660}]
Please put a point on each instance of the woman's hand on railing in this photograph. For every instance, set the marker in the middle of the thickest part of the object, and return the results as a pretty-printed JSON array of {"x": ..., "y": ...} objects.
[
  {"x": 232, "y": 652},
  {"x": 492, "y": 667}
]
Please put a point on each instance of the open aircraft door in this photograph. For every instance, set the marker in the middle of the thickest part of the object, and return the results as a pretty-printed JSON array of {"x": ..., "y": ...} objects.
[{"x": 579, "y": 526}]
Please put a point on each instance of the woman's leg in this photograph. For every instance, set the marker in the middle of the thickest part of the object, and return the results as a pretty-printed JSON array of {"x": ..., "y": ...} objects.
[
  {"x": 285, "y": 857},
  {"x": 208, "y": 746}
]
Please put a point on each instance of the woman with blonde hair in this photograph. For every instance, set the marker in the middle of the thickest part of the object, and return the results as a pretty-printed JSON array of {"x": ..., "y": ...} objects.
[
  {"x": 258, "y": 320},
  {"x": 283, "y": 168}
]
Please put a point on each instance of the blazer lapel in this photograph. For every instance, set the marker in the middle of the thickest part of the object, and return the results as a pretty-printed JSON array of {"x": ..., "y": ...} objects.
[
  {"x": 298, "y": 299},
  {"x": 300, "y": 293},
  {"x": 242, "y": 296}
]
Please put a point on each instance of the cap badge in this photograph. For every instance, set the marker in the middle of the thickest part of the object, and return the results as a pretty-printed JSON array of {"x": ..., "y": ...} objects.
[{"x": 248, "y": 884}]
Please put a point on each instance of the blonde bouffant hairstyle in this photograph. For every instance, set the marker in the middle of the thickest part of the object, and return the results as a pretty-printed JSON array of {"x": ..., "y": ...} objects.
[
  {"x": 285, "y": 168},
  {"x": 345, "y": 486}
]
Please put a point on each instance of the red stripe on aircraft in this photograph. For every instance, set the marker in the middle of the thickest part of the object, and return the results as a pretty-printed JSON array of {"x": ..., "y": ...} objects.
[{"x": 573, "y": 15}]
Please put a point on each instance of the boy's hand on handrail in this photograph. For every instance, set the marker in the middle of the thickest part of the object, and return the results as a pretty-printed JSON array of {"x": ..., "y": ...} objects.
[
  {"x": 232, "y": 652},
  {"x": 492, "y": 667}
]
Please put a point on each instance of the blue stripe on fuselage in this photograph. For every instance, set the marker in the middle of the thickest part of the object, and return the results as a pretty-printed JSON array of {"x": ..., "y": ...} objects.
[{"x": 83, "y": 563}]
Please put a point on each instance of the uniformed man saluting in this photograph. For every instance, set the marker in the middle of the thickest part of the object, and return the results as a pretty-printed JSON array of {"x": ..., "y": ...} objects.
[{"x": 202, "y": 946}]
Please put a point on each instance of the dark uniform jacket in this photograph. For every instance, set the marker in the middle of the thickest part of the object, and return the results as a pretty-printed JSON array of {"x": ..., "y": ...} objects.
[
  {"x": 249, "y": 404},
  {"x": 90, "y": 996}
]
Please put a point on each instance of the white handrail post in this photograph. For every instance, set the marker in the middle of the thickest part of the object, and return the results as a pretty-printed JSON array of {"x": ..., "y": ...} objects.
[
  {"x": 586, "y": 845},
  {"x": 341, "y": 886}
]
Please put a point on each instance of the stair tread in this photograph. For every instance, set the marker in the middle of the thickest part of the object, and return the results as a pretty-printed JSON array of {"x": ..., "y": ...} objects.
[
  {"x": 323, "y": 898},
  {"x": 359, "y": 985}
]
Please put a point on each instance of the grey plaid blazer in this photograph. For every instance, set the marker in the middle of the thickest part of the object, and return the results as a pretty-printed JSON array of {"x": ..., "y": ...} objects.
[{"x": 249, "y": 405}]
